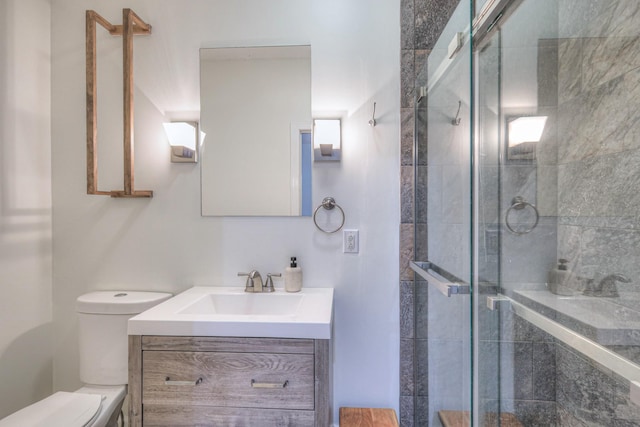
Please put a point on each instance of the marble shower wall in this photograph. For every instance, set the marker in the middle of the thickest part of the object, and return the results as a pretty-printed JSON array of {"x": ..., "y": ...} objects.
[
  {"x": 599, "y": 147},
  {"x": 598, "y": 181},
  {"x": 589, "y": 394}
]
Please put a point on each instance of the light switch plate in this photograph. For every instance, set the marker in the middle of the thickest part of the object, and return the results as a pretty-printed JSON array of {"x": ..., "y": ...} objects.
[{"x": 350, "y": 242}]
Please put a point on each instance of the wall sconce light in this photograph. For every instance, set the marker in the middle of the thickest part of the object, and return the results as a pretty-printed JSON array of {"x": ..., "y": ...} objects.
[
  {"x": 327, "y": 140},
  {"x": 185, "y": 139}
]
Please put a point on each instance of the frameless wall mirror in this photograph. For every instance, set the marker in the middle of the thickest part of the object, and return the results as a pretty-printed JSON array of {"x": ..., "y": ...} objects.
[{"x": 255, "y": 107}]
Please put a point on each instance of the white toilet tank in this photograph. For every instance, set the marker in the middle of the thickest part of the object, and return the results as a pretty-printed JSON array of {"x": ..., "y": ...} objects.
[{"x": 103, "y": 338}]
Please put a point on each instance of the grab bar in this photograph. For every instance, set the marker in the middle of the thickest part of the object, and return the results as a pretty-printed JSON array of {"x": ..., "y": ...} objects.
[
  {"x": 445, "y": 282},
  {"x": 594, "y": 351}
]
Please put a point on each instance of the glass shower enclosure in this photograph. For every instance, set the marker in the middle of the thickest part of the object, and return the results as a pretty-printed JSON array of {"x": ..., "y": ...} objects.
[{"x": 527, "y": 245}]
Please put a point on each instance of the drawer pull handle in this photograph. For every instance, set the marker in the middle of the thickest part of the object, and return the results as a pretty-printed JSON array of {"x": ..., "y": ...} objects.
[
  {"x": 169, "y": 381},
  {"x": 255, "y": 384}
]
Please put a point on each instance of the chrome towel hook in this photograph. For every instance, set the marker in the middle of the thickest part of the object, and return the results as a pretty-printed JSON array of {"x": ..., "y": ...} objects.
[
  {"x": 373, "y": 122},
  {"x": 328, "y": 203},
  {"x": 456, "y": 120}
]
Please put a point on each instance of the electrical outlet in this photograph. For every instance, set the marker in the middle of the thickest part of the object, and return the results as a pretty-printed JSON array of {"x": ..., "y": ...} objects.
[{"x": 350, "y": 241}]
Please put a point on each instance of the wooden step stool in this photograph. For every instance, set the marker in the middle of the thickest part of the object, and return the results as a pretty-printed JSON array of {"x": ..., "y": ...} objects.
[{"x": 368, "y": 417}]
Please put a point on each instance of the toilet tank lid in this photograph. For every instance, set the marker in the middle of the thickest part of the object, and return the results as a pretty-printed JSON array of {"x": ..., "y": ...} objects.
[{"x": 119, "y": 302}]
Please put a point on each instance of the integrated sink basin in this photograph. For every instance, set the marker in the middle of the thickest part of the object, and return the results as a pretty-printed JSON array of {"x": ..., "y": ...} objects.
[
  {"x": 246, "y": 304},
  {"x": 231, "y": 312}
]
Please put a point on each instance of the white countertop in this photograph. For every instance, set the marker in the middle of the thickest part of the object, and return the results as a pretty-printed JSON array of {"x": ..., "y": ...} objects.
[{"x": 231, "y": 312}]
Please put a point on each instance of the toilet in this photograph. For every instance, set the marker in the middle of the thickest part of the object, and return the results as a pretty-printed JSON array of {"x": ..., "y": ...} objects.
[{"x": 103, "y": 343}]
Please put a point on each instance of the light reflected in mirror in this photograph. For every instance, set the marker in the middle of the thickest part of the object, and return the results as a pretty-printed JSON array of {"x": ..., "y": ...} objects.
[
  {"x": 523, "y": 133},
  {"x": 327, "y": 140},
  {"x": 256, "y": 111},
  {"x": 184, "y": 139}
]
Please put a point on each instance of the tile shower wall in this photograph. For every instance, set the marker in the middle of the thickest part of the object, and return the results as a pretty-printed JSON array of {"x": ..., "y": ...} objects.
[
  {"x": 588, "y": 394},
  {"x": 517, "y": 368}
]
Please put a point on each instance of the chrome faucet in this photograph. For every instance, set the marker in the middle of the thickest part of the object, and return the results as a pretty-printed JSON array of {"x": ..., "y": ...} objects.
[
  {"x": 254, "y": 281},
  {"x": 606, "y": 287}
]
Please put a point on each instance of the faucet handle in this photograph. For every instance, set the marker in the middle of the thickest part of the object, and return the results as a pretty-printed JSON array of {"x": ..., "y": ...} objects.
[
  {"x": 268, "y": 287},
  {"x": 248, "y": 287}
]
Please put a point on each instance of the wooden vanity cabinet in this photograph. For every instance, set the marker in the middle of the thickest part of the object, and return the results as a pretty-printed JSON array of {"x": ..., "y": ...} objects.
[{"x": 225, "y": 381}]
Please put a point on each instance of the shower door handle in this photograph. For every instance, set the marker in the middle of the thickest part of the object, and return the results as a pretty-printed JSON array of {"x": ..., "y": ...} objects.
[
  {"x": 446, "y": 288},
  {"x": 445, "y": 282}
]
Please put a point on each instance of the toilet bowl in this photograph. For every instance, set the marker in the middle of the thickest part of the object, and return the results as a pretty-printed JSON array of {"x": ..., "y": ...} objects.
[
  {"x": 103, "y": 344},
  {"x": 111, "y": 397}
]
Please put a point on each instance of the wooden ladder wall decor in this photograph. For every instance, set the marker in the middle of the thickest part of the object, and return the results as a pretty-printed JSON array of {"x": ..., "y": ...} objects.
[{"x": 132, "y": 25}]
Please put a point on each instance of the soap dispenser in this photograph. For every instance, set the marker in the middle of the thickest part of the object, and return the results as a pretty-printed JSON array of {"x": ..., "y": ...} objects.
[
  {"x": 560, "y": 279},
  {"x": 293, "y": 277}
]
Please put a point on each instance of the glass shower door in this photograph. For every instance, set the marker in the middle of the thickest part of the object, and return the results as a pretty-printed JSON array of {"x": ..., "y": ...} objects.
[
  {"x": 443, "y": 228},
  {"x": 556, "y": 214},
  {"x": 488, "y": 345},
  {"x": 515, "y": 211}
]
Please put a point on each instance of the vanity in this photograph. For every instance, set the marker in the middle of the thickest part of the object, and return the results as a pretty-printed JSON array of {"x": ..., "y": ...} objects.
[{"x": 220, "y": 356}]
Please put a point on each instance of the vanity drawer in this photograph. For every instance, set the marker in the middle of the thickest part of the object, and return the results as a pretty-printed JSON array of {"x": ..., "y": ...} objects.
[{"x": 249, "y": 380}]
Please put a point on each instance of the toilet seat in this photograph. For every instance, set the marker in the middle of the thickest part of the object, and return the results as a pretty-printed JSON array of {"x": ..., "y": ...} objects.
[{"x": 61, "y": 409}]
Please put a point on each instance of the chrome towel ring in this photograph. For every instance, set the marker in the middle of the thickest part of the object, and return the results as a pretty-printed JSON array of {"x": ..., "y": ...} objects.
[
  {"x": 518, "y": 203},
  {"x": 328, "y": 203}
]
